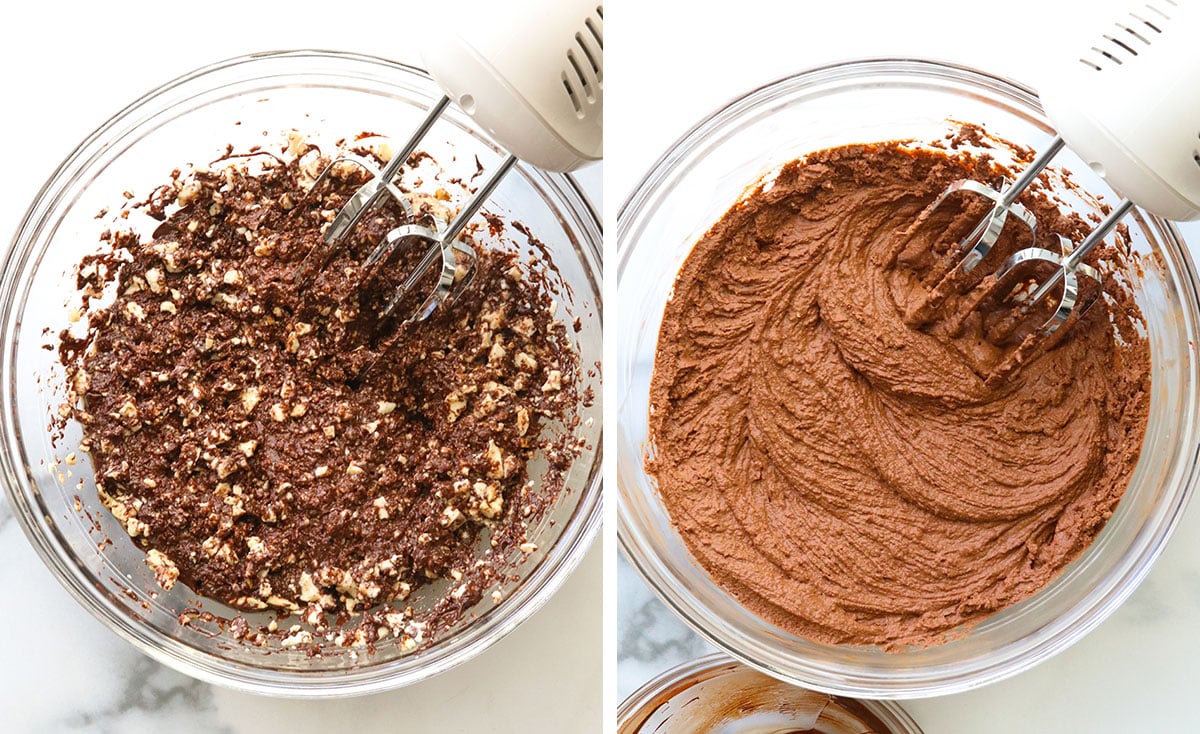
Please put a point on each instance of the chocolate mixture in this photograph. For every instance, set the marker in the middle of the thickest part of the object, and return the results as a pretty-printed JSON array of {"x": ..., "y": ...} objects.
[
  {"x": 239, "y": 436},
  {"x": 851, "y": 478}
]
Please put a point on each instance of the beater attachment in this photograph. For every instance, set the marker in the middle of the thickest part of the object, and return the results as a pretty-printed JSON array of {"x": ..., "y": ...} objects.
[
  {"x": 444, "y": 248},
  {"x": 1027, "y": 278}
]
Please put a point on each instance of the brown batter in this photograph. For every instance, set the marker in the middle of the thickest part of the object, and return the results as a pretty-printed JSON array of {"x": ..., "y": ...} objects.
[{"x": 850, "y": 478}]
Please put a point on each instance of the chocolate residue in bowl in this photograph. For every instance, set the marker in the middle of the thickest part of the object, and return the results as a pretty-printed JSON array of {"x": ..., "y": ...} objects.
[
  {"x": 854, "y": 480},
  {"x": 236, "y": 437},
  {"x": 734, "y": 698}
]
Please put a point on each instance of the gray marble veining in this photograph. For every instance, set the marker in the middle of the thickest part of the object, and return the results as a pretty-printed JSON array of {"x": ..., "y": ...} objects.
[{"x": 650, "y": 637}]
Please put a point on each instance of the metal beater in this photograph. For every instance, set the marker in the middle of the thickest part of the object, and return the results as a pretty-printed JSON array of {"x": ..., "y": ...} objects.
[
  {"x": 542, "y": 99},
  {"x": 1129, "y": 108}
]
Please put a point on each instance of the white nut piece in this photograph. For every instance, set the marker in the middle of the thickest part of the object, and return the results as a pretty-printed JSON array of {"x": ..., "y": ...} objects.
[
  {"x": 249, "y": 398},
  {"x": 553, "y": 381},
  {"x": 166, "y": 573}
]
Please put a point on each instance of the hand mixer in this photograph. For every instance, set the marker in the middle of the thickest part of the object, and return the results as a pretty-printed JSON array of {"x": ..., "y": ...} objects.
[
  {"x": 539, "y": 94},
  {"x": 1129, "y": 106}
]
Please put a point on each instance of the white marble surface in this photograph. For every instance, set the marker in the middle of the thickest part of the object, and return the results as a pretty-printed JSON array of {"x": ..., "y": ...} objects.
[
  {"x": 66, "y": 70},
  {"x": 63, "y": 671},
  {"x": 1137, "y": 671}
]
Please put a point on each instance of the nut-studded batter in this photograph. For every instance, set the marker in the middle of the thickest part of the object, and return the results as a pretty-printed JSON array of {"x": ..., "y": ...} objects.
[{"x": 230, "y": 431}]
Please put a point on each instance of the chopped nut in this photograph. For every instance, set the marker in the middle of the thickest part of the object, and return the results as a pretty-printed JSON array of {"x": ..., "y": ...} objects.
[
  {"x": 168, "y": 307},
  {"x": 495, "y": 459},
  {"x": 297, "y": 145},
  {"x": 320, "y": 471},
  {"x": 154, "y": 278},
  {"x": 385, "y": 407},
  {"x": 250, "y": 602},
  {"x": 296, "y": 636},
  {"x": 553, "y": 381},
  {"x": 497, "y": 352},
  {"x": 525, "y": 362},
  {"x": 278, "y": 601},
  {"x": 523, "y": 326},
  {"x": 188, "y": 193},
  {"x": 80, "y": 381},
  {"x": 128, "y": 409},
  {"x": 232, "y": 277},
  {"x": 135, "y": 311},
  {"x": 309, "y": 591},
  {"x": 457, "y": 403},
  {"x": 451, "y": 516},
  {"x": 248, "y": 447},
  {"x": 165, "y": 570},
  {"x": 249, "y": 398},
  {"x": 493, "y": 319},
  {"x": 278, "y": 414},
  {"x": 258, "y": 549}
]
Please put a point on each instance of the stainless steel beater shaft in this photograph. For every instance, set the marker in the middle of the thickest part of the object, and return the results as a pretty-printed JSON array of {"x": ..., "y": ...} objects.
[
  {"x": 1095, "y": 237},
  {"x": 446, "y": 238},
  {"x": 988, "y": 230},
  {"x": 367, "y": 194}
]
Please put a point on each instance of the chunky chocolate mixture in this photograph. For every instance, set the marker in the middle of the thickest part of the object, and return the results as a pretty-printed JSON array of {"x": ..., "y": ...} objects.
[
  {"x": 855, "y": 479},
  {"x": 272, "y": 444}
]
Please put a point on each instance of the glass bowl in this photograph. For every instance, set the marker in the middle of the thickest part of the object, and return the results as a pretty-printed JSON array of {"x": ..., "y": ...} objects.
[
  {"x": 698, "y": 179},
  {"x": 716, "y": 694},
  {"x": 248, "y": 101}
]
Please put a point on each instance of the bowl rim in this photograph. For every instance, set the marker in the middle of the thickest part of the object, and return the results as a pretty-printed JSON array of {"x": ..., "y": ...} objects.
[
  {"x": 472, "y": 639},
  {"x": 636, "y": 702},
  {"x": 1052, "y": 638}
]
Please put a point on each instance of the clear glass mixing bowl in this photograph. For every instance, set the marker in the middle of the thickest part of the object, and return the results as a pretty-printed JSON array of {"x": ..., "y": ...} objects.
[
  {"x": 714, "y": 694},
  {"x": 244, "y": 102},
  {"x": 698, "y": 179}
]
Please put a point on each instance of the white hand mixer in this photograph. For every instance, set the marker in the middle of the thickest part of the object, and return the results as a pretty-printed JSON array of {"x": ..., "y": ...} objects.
[
  {"x": 540, "y": 95},
  {"x": 1129, "y": 106}
]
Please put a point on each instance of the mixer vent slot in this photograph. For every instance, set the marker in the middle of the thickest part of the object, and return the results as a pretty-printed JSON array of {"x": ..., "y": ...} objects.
[
  {"x": 575, "y": 101},
  {"x": 583, "y": 76},
  {"x": 1130, "y": 35}
]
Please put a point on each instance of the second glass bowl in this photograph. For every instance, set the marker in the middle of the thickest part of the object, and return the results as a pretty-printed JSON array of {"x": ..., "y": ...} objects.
[
  {"x": 701, "y": 176},
  {"x": 715, "y": 695}
]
